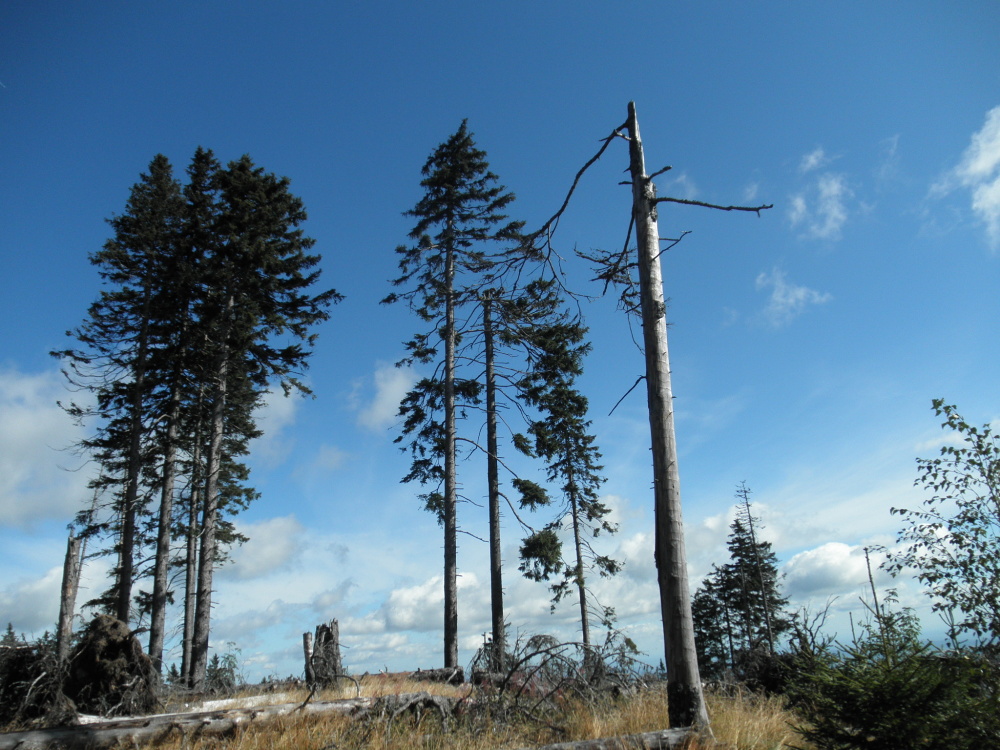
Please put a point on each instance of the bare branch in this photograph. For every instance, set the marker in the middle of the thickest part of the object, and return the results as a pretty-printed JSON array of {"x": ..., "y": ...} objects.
[
  {"x": 686, "y": 202},
  {"x": 554, "y": 221},
  {"x": 637, "y": 381}
]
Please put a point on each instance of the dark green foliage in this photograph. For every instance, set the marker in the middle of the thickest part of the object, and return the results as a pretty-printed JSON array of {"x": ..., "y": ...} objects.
[
  {"x": 889, "y": 691},
  {"x": 561, "y": 437},
  {"x": 952, "y": 542},
  {"x": 739, "y": 612},
  {"x": 447, "y": 270},
  {"x": 207, "y": 304},
  {"x": 541, "y": 555},
  {"x": 222, "y": 675}
]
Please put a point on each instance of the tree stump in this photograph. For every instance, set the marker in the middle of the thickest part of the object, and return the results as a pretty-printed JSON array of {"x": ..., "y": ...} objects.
[{"x": 324, "y": 667}]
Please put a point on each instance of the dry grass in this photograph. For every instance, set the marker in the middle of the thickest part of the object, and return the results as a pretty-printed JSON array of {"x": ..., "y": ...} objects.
[{"x": 740, "y": 721}]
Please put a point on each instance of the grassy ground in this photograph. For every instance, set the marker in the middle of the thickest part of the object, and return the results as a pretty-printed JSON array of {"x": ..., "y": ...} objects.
[{"x": 740, "y": 721}]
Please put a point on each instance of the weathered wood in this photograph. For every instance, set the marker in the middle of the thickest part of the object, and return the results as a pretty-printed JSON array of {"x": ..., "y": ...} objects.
[
  {"x": 686, "y": 703},
  {"x": 162, "y": 726},
  {"x": 327, "y": 666},
  {"x": 448, "y": 675},
  {"x": 665, "y": 739},
  {"x": 67, "y": 599},
  {"x": 307, "y": 649}
]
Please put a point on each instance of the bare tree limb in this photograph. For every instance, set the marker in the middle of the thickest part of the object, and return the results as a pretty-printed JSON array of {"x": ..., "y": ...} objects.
[
  {"x": 637, "y": 381},
  {"x": 686, "y": 202},
  {"x": 551, "y": 224}
]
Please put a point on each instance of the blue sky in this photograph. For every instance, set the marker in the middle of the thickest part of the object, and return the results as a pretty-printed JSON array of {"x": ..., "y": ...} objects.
[{"x": 806, "y": 345}]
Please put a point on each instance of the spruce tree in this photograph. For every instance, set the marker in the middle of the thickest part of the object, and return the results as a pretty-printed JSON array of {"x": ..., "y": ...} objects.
[
  {"x": 116, "y": 360},
  {"x": 460, "y": 220},
  {"x": 207, "y": 304},
  {"x": 739, "y": 608},
  {"x": 258, "y": 310},
  {"x": 561, "y": 437}
]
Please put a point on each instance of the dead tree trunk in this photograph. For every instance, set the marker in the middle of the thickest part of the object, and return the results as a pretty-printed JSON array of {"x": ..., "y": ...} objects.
[
  {"x": 307, "y": 651},
  {"x": 323, "y": 656},
  {"x": 685, "y": 699},
  {"x": 67, "y": 600}
]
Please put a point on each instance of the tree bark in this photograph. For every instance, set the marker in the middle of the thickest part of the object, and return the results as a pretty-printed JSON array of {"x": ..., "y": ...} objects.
[
  {"x": 493, "y": 476},
  {"x": 450, "y": 478},
  {"x": 581, "y": 583},
  {"x": 686, "y": 703},
  {"x": 307, "y": 652},
  {"x": 191, "y": 557},
  {"x": 206, "y": 557},
  {"x": 158, "y": 612},
  {"x": 327, "y": 667},
  {"x": 67, "y": 599},
  {"x": 126, "y": 561}
]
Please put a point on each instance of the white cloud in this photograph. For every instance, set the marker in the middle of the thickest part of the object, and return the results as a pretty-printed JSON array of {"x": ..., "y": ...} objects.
[
  {"x": 821, "y": 208},
  {"x": 32, "y": 606},
  {"x": 830, "y": 569},
  {"x": 327, "y": 459},
  {"x": 34, "y": 433},
  {"x": 787, "y": 300},
  {"x": 750, "y": 192},
  {"x": 823, "y": 213},
  {"x": 678, "y": 186},
  {"x": 276, "y": 413},
  {"x": 979, "y": 172},
  {"x": 273, "y": 545},
  {"x": 982, "y": 158},
  {"x": 813, "y": 160},
  {"x": 391, "y": 385}
]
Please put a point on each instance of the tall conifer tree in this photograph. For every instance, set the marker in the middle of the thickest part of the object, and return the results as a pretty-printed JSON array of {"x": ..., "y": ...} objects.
[{"x": 459, "y": 217}]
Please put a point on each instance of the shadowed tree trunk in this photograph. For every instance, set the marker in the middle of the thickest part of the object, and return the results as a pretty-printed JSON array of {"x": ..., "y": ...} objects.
[{"x": 493, "y": 475}]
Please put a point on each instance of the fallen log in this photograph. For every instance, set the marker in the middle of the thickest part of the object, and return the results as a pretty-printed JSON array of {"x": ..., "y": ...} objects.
[
  {"x": 665, "y": 739},
  {"x": 447, "y": 675},
  {"x": 158, "y": 727}
]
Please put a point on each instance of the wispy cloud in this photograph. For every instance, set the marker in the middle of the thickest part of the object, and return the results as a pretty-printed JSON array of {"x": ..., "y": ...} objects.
[
  {"x": 814, "y": 160},
  {"x": 979, "y": 172},
  {"x": 680, "y": 186},
  {"x": 273, "y": 545},
  {"x": 787, "y": 300},
  {"x": 821, "y": 210},
  {"x": 391, "y": 384},
  {"x": 888, "y": 166},
  {"x": 276, "y": 413},
  {"x": 34, "y": 436}
]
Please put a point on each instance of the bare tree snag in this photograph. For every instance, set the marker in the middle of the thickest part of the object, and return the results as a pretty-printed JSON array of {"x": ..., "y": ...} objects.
[
  {"x": 324, "y": 667},
  {"x": 307, "y": 648},
  {"x": 67, "y": 599},
  {"x": 686, "y": 703}
]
